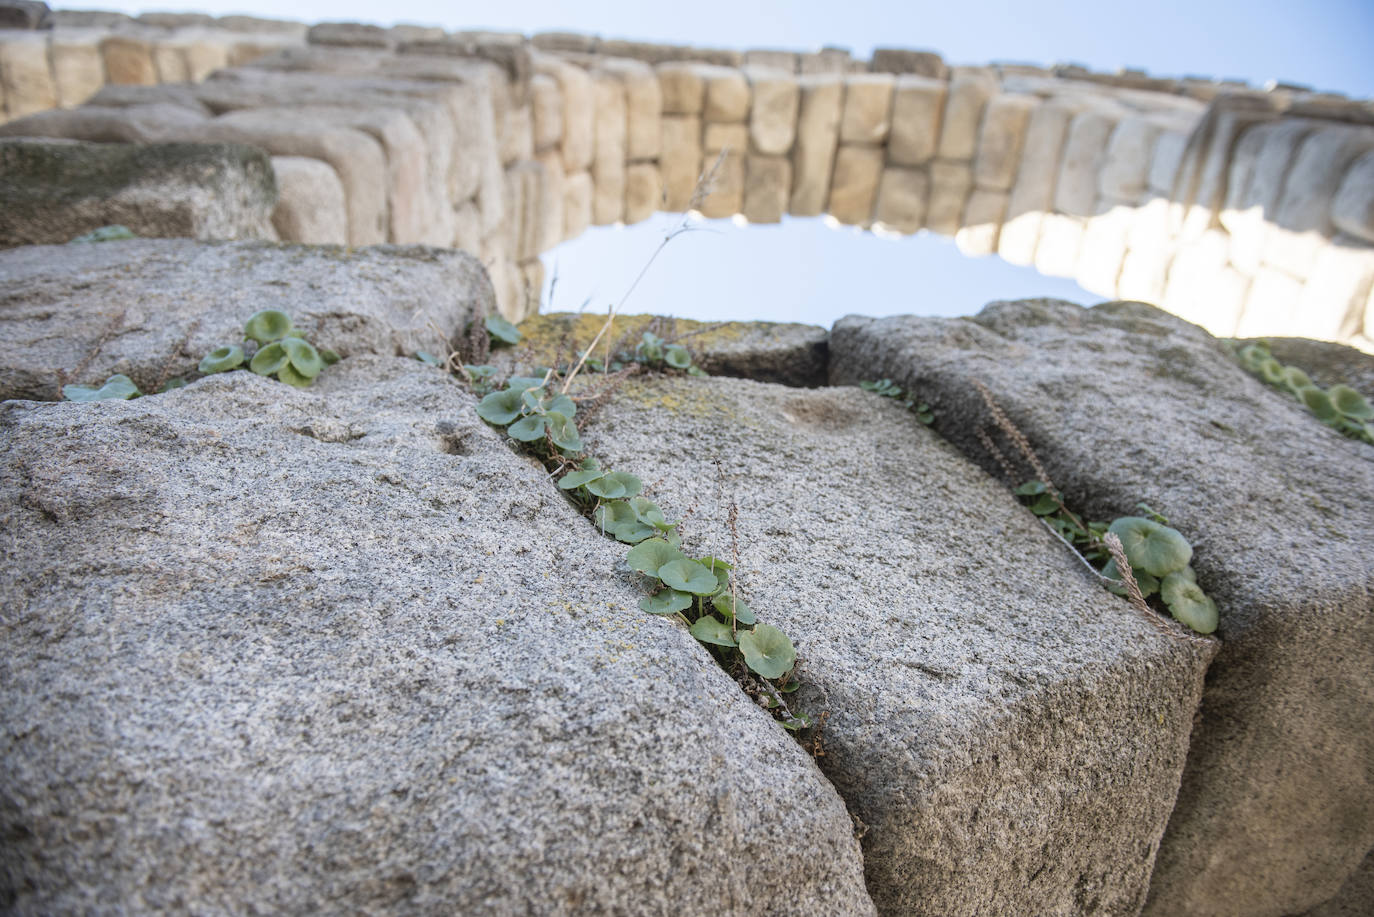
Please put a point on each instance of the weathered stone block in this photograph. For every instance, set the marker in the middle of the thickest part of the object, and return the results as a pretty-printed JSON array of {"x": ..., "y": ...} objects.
[
  {"x": 608, "y": 165},
  {"x": 1143, "y": 274},
  {"x": 128, "y": 61},
  {"x": 1201, "y": 184},
  {"x": 767, "y": 185},
  {"x": 467, "y": 227},
  {"x": 963, "y": 115},
  {"x": 135, "y": 124},
  {"x": 1104, "y": 249},
  {"x": 904, "y": 60},
  {"x": 682, "y": 86},
  {"x": 732, "y": 137},
  {"x": 1271, "y": 306},
  {"x": 1302, "y": 222},
  {"x": 25, "y": 78},
  {"x": 977, "y": 236},
  {"x": 643, "y": 107},
  {"x": 1058, "y": 244},
  {"x": 546, "y": 111},
  {"x": 913, "y": 752},
  {"x": 903, "y": 196},
  {"x": 1032, "y": 194},
  {"x": 1082, "y": 158},
  {"x": 643, "y": 191},
  {"x": 517, "y": 134},
  {"x": 1248, "y": 215},
  {"x": 1005, "y": 119},
  {"x": 1352, "y": 209},
  {"x": 77, "y": 66},
  {"x": 1333, "y": 299},
  {"x": 205, "y": 53},
  {"x": 350, "y": 35},
  {"x": 311, "y": 205},
  {"x": 858, "y": 168},
  {"x": 918, "y": 104},
  {"x": 773, "y": 118},
  {"x": 950, "y": 184},
  {"x": 727, "y": 94},
  {"x": 681, "y": 160},
  {"x": 826, "y": 60},
  {"x": 818, "y": 134},
  {"x": 169, "y": 61},
  {"x": 1164, "y": 162},
  {"x": 579, "y": 111},
  {"x": 1196, "y": 437},
  {"x": 25, "y": 14},
  {"x": 1125, "y": 173},
  {"x": 725, "y": 190},
  {"x": 52, "y": 191},
  {"x": 578, "y": 195},
  {"x": 867, "y": 115}
]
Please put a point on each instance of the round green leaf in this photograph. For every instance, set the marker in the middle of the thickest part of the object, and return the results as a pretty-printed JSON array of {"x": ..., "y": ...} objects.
[
  {"x": 617, "y": 485},
  {"x": 500, "y": 408},
  {"x": 1295, "y": 379},
  {"x": 425, "y": 356},
  {"x": 329, "y": 357},
  {"x": 1188, "y": 603},
  {"x": 648, "y": 556},
  {"x": 267, "y": 326},
  {"x": 171, "y": 384},
  {"x": 564, "y": 432},
  {"x": 667, "y": 602},
  {"x": 733, "y": 607},
  {"x": 1271, "y": 371},
  {"x": 527, "y": 429},
  {"x": 1148, "y": 582},
  {"x": 290, "y": 376},
  {"x": 562, "y": 404},
  {"x": 712, "y": 630},
  {"x": 1319, "y": 403},
  {"x": 502, "y": 330},
  {"x": 107, "y": 234},
  {"x": 634, "y": 532},
  {"x": 1350, "y": 402},
  {"x": 118, "y": 387},
  {"x": 677, "y": 356},
  {"x": 525, "y": 382},
  {"x": 305, "y": 359},
  {"x": 648, "y": 512},
  {"x": 1252, "y": 356},
  {"x": 269, "y": 359},
  {"x": 688, "y": 576},
  {"x": 1031, "y": 488},
  {"x": 767, "y": 651},
  {"x": 222, "y": 359},
  {"x": 578, "y": 478},
  {"x": 613, "y": 515},
  {"x": 1152, "y": 547}
]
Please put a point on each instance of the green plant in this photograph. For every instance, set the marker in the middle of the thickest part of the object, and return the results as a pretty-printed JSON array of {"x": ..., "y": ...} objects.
[
  {"x": 531, "y": 415},
  {"x": 105, "y": 234},
  {"x": 889, "y": 389},
  {"x": 117, "y": 387},
  {"x": 501, "y": 330},
  {"x": 1339, "y": 407},
  {"x": 278, "y": 349}
]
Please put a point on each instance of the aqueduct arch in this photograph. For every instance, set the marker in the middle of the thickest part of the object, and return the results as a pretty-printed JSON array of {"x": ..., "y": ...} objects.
[{"x": 1249, "y": 212}]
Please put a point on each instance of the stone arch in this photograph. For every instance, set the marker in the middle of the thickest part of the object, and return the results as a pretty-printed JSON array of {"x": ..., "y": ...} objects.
[{"x": 1249, "y": 212}]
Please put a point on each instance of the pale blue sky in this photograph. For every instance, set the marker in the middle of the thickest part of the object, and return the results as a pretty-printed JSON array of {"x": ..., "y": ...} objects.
[{"x": 805, "y": 272}]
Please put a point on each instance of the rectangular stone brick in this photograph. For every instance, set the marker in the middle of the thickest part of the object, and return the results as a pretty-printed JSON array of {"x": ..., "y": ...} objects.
[
  {"x": 467, "y": 228},
  {"x": 1005, "y": 119},
  {"x": 1302, "y": 223},
  {"x": 1104, "y": 249},
  {"x": 205, "y": 53},
  {"x": 169, "y": 61},
  {"x": 549, "y": 212},
  {"x": 727, "y": 94},
  {"x": 963, "y": 115},
  {"x": 918, "y": 105},
  {"x": 643, "y": 106},
  {"x": 517, "y": 134},
  {"x": 24, "y": 74},
  {"x": 867, "y": 116},
  {"x": 1165, "y": 160},
  {"x": 680, "y": 160},
  {"x": 785, "y": 62},
  {"x": 1032, "y": 194},
  {"x": 1057, "y": 248},
  {"x": 1187, "y": 292},
  {"x": 903, "y": 196},
  {"x": 683, "y": 88},
  {"x": 78, "y": 67},
  {"x": 128, "y": 61},
  {"x": 1084, "y": 152},
  {"x": 1125, "y": 174},
  {"x": 725, "y": 186},
  {"x": 950, "y": 184},
  {"x": 858, "y": 168},
  {"x": 1352, "y": 209},
  {"x": 767, "y": 186},
  {"x": 546, "y": 111},
  {"x": 1333, "y": 299},
  {"x": 1271, "y": 306},
  {"x": 982, "y": 222},
  {"x": 818, "y": 130},
  {"x": 578, "y": 193},
  {"x": 579, "y": 111},
  {"x": 608, "y": 164},
  {"x": 1206, "y": 195},
  {"x": 773, "y": 118},
  {"x": 732, "y": 137},
  {"x": 1143, "y": 273},
  {"x": 643, "y": 191}
]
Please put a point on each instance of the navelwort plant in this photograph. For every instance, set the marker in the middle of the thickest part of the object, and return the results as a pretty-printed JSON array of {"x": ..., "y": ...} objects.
[
  {"x": 276, "y": 349},
  {"x": 1339, "y": 407},
  {"x": 889, "y": 389},
  {"x": 1141, "y": 556}
]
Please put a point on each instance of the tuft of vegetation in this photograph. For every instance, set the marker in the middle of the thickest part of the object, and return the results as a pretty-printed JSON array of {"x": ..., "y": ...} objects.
[
  {"x": 105, "y": 234},
  {"x": 272, "y": 347},
  {"x": 1339, "y": 407},
  {"x": 889, "y": 389}
]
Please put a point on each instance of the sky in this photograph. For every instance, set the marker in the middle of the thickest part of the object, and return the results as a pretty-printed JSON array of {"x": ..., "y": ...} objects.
[{"x": 802, "y": 270}]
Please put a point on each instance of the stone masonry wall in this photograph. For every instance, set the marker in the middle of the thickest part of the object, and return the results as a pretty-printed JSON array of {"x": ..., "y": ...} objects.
[{"x": 1249, "y": 212}]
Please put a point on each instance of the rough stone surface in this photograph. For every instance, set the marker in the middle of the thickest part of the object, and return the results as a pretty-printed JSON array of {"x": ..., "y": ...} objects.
[
  {"x": 903, "y": 195},
  {"x": 1125, "y": 403},
  {"x": 727, "y": 94},
  {"x": 129, "y": 61},
  {"x": 784, "y": 353},
  {"x": 152, "y": 308},
  {"x": 682, "y": 86},
  {"x": 25, "y": 79},
  {"x": 904, "y": 60},
  {"x": 998, "y": 157},
  {"x": 963, "y": 115},
  {"x": 858, "y": 168},
  {"x": 1326, "y": 362},
  {"x": 767, "y": 181},
  {"x": 1302, "y": 221},
  {"x": 52, "y": 191},
  {"x": 154, "y": 123},
  {"x": 1352, "y": 210},
  {"x": 1353, "y": 898},
  {"x": 77, "y": 66},
  {"x": 1125, "y": 173},
  {"x": 818, "y": 134},
  {"x": 867, "y": 115},
  {"x": 941, "y": 702},
  {"x": 1249, "y": 213},
  {"x": 25, "y": 14},
  {"x": 420, "y": 676},
  {"x": 918, "y": 104},
  {"x": 773, "y": 119},
  {"x": 311, "y": 206},
  {"x": 1082, "y": 158}
]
